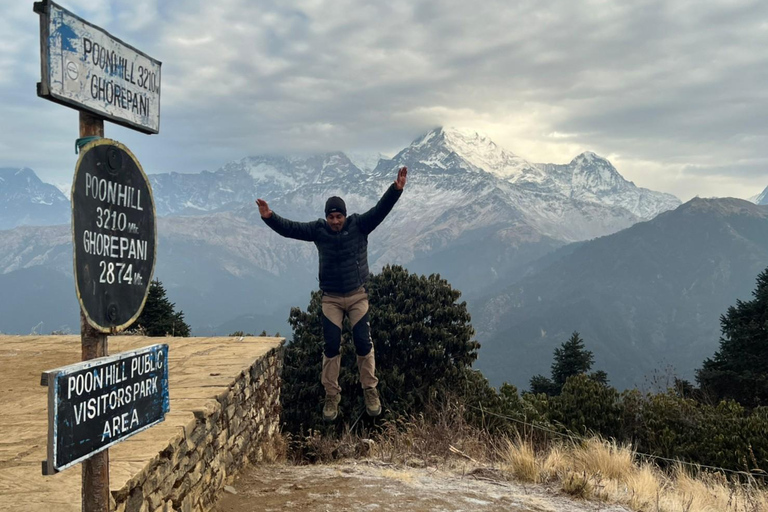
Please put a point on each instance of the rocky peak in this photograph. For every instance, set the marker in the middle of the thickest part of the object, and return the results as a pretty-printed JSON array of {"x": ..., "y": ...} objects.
[
  {"x": 24, "y": 184},
  {"x": 761, "y": 198},
  {"x": 25, "y": 200},
  {"x": 450, "y": 148},
  {"x": 593, "y": 173}
]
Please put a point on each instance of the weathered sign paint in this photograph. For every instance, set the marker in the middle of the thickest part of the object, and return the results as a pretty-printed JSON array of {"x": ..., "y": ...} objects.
[
  {"x": 97, "y": 403},
  {"x": 86, "y": 68},
  {"x": 114, "y": 235}
]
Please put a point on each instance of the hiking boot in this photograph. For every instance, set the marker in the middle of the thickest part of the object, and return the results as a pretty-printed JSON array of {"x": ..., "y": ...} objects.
[
  {"x": 372, "y": 402},
  {"x": 331, "y": 407}
]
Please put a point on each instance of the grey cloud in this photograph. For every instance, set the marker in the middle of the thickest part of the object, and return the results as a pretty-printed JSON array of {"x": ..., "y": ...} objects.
[
  {"x": 670, "y": 81},
  {"x": 748, "y": 171}
]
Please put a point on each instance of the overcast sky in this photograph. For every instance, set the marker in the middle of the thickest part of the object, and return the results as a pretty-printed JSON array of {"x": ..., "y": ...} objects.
[{"x": 674, "y": 93}]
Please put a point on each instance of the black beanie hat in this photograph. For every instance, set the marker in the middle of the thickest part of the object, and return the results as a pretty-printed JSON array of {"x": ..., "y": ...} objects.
[{"x": 335, "y": 204}]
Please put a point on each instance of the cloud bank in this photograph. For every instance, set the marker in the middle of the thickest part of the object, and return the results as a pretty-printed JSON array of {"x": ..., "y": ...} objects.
[{"x": 671, "y": 91}]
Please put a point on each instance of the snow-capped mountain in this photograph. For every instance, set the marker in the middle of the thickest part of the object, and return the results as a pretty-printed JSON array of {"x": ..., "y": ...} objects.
[
  {"x": 200, "y": 194},
  {"x": 580, "y": 200},
  {"x": 462, "y": 188},
  {"x": 464, "y": 192},
  {"x": 561, "y": 201},
  {"x": 761, "y": 198},
  {"x": 446, "y": 148},
  {"x": 587, "y": 178},
  {"x": 591, "y": 178},
  {"x": 366, "y": 162},
  {"x": 240, "y": 182},
  {"x": 472, "y": 211},
  {"x": 26, "y": 201}
]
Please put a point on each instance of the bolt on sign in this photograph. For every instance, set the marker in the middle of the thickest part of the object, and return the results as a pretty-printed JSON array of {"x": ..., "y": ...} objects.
[
  {"x": 86, "y": 68},
  {"x": 100, "y": 402},
  {"x": 114, "y": 235}
]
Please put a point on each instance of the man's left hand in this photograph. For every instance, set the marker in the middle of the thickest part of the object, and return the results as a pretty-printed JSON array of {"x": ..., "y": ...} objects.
[{"x": 402, "y": 177}]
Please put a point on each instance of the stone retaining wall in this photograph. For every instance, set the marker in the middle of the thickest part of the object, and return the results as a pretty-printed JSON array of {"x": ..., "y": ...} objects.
[{"x": 239, "y": 426}]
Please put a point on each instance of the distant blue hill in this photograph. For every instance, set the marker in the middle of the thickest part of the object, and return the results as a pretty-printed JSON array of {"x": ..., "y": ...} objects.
[{"x": 642, "y": 299}]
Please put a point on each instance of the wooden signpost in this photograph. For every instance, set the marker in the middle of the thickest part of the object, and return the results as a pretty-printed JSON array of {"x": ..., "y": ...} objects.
[{"x": 114, "y": 238}]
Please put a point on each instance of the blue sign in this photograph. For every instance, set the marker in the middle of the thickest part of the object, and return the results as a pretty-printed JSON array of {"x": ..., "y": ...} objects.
[{"x": 97, "y": 403}]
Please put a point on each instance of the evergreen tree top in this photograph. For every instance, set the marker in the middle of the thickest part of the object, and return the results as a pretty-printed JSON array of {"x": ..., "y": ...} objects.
[
  {"x": 159, "y": 317},
  {"x": 572, "y": 358},
  {"x": 739, "y": 368}
]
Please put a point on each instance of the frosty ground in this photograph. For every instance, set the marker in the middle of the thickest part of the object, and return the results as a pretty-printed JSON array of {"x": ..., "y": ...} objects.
[{"x": 377, "y": 486}]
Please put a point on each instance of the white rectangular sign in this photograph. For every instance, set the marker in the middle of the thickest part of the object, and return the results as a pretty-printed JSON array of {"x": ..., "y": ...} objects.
[{"x": 86, "y": 68}]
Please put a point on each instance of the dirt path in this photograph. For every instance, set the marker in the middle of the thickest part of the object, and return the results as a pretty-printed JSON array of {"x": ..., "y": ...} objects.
[{"x": 377, "y": 487}]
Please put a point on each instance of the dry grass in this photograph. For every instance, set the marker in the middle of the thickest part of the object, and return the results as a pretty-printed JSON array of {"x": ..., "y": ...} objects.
[
  {"x": 602, "y": 470},
  {"x": 522, "y": 462},
  {"x": 711, "y": 493},
  {"x": 592, "y": 469},
  {"x": 643, "y": 488},
  {"x": 420, "y": 442},
  {"x": 606, "y": 459},
  {"x": 275, "y": 450},
  {"x": 578, "y": 485},
  {"x": 413, "y": 442},
  {"x": 520, "y": 459},
  {"x": 315, "y": 447}
]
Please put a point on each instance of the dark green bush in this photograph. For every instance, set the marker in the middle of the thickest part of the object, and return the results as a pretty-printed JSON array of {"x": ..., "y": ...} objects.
[
  {"x": 586, "y": 406},
  {"x": 424, "y": 351}
]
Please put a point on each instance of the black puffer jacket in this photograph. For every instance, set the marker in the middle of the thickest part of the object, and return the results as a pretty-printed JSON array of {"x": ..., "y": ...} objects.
[{"x": 343, "y": 255}]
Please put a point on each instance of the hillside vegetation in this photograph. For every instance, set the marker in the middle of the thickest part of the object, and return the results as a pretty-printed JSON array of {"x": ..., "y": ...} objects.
[{"x": 678, "y": 448}]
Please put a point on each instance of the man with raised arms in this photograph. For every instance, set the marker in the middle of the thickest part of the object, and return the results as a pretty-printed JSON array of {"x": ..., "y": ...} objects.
[{"x": 342, "y": 245}]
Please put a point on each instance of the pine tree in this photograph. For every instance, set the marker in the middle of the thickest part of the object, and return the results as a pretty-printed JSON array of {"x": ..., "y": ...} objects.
[
  {"x": 159, "y": 317},
  {"x": 423, "y": 341},
  {"x": 739, "y": 370},
  {"x": 571, "y": 358},
  {"x": 542, "y": 384}
]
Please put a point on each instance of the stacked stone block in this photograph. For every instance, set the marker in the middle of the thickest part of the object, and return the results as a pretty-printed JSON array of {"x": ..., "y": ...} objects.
[{"x": 240, "y": 426}]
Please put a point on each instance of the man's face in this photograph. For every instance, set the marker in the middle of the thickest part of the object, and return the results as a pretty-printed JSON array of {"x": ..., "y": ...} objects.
[{"x": 336, "y": 221}]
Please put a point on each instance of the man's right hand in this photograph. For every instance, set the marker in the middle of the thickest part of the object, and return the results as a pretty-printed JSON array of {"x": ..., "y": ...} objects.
[{"x": 264, "y": 210}]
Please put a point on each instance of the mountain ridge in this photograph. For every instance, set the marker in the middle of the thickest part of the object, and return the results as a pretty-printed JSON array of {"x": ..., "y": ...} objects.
[
  {"x": 25, "y": 200},
  {"x": 212, "y": 234},
  {"x": 450, "y": 150},
  {"x": 651, "y": 294}
]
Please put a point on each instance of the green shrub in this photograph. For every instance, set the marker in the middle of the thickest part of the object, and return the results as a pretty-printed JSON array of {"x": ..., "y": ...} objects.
[
  {"x": 586, "y": 406},
  {"x": 424, "y": 350}
]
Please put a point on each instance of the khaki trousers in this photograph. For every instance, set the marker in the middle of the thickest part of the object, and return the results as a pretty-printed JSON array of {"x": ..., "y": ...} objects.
[{"x": 355, "y": 306}]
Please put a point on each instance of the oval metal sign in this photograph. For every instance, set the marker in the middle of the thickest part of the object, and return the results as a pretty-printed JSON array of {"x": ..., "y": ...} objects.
[{"x": 114, "y": 235}]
